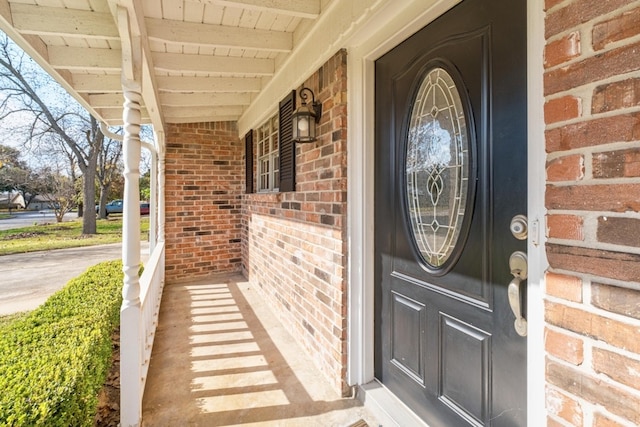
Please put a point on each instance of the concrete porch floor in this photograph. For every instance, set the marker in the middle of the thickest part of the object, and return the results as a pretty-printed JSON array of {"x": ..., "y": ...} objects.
[{"x": 221, "y": 358}]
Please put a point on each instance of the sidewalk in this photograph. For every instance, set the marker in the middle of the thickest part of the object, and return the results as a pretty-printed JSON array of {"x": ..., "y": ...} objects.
[{"x": 27, "y": 280}]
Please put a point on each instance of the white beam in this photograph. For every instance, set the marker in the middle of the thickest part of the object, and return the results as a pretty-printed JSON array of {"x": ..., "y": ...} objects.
[
  {"x": 204, "y": 99},
  {"x": 309, "y": 9},
  {"x": 114, "y": 115},
  {"x": 201, "y": 119},
  {"x": 31, "y": 19},
  {"x": 97, "y": 83},
  {"x": 209, "y": 84},
  {"x": 190, "y": 33},
  {"x": 85, "y": 59},
  {"x": 178, "y": 62},
  {"x": 109, "y": 100},
  {"x": 209, "y": 112}
]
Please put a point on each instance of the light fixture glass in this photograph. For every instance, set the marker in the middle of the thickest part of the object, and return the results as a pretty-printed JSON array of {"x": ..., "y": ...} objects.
[{"x": 305, "y": 117}]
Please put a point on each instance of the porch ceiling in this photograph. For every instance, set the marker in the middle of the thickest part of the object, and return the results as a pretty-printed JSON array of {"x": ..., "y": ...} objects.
[{"x": 200, "y": 60}]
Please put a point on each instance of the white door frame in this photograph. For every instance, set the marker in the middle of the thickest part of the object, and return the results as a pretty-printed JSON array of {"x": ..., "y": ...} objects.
[{"x": 391, "y": 25}]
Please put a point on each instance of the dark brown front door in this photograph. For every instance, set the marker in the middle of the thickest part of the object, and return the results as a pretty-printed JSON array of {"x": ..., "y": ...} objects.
[{"x": 451, "y": 171}]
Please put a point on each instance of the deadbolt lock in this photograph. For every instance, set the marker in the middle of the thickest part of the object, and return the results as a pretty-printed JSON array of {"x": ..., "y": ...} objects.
[{"x": 519, "y": 227}]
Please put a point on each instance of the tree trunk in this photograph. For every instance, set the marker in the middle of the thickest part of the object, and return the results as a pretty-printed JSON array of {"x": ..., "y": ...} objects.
[
  {"x": 89, "y": 198},
  {"x": 104, "y": 193}
]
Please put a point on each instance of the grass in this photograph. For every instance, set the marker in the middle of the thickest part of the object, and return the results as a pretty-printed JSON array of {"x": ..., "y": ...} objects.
[
  {"x": 63, "y": 235},
  {"x": 4, "y": 216},
  {"x": 5, "y": 320}
]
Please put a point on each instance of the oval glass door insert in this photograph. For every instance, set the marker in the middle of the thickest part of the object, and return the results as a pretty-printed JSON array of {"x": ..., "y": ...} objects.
[{"x": 437, "y": 167}]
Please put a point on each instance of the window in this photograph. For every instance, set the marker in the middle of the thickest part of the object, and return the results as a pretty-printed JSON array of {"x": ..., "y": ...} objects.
[{"x": 268, "y": 155}]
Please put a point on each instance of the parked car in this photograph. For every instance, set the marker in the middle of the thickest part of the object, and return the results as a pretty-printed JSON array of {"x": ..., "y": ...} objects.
[{"x": 116, "y": 206}]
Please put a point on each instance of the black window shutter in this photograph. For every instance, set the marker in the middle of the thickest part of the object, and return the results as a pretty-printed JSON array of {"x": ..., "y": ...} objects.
[
  {"x": 287, "y": 146},
  {"x": 248, "y": 161}
]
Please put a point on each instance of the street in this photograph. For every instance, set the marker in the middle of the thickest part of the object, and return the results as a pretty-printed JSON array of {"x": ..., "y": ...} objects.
[
  {"x": 26, "y": 218},
  {"x": 27, "y": 280}
]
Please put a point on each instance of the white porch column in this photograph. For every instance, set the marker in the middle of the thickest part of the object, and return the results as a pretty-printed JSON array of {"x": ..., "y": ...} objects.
[
  {"x": 161, "y": 177},
  {"x": 131, "y": 340},
  {"x": 153, "y": 220}
]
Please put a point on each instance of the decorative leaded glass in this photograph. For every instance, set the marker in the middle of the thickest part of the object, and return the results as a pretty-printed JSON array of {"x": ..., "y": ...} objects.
[{"x": 437, "y": 167}]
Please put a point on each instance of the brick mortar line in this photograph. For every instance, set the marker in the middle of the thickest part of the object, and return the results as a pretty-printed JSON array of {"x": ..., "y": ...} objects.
[
  {"x": 598, "y": 376},
  {"x": 598, "y": 19},
  {"x": 634, "y": 286},
  {"x": 593, "y": 149}
]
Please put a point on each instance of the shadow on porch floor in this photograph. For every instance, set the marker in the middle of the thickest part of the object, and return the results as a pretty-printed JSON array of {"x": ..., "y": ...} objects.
[{"x": 221, "y": 358}]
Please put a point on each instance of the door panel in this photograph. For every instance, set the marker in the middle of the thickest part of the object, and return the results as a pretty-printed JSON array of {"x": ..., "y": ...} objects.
[{"x": 445, "y": 340}]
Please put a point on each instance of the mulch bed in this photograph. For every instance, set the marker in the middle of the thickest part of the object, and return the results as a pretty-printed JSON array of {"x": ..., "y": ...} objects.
[{"x": 108, "y": 414}]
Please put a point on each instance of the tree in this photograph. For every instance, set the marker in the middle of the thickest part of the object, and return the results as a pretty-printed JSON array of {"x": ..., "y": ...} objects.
[
  {"x": 109, "y": 170},
  {"x": 61, "y": 193},
  {"x": 37, "y": 111},
  {"x": 16, "y": 175}
]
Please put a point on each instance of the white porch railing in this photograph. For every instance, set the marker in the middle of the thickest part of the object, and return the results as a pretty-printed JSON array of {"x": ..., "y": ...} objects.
[
  {"x": 135, "y": 358},
  {"x": 151, "y": 286}
]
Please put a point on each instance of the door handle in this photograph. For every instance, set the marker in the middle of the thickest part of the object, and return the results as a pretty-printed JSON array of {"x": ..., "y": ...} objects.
[{"x": 518, "y": 265}]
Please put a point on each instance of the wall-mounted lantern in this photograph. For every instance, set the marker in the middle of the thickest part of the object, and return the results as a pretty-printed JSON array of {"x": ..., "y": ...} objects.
[{"x": 306, "y": 117}]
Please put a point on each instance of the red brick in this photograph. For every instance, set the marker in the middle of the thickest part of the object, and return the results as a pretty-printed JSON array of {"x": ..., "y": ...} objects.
[
  {"x": 613, "y": 399},
  {"x": 610, "y": 63},
  {"x": 614, "y": 332},
  {"x": 617, "y": 164},
  {"x": 561, "y": 109},
  {"x": 563, "y": 406},
  {"x": 616, "y": 299},
  {"x": 600, "y": 420},
  {"x": 568, "y": 168},
  {"x": 562, "y": 50},
  {"x": 564, "y": 347},
  {"x": 620, "y": 128},
  {"x": 578, "y": 12},
  {"x": 548, "y": 4},
  {"x": 614, "y": 265},
  {"x": 567, "y": 227},
  {"x": 616, "y": 96},
  {"x": 553, "y": 423},
  {"x": 619, "y": 231},
  {"x": 564, "y": 286},
  {"x": 620, "y": 368},
  {"x": 615, "y": 29},
  {"x": 605, "y": 197}
]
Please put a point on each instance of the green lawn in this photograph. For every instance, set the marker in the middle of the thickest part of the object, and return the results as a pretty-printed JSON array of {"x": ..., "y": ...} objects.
[{"x": 63, "y": 235}]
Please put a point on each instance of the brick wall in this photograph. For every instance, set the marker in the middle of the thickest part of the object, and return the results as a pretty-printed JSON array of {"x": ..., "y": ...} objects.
[
  {"x": 294, "y": 243},
  {"x": 204, "y": 183},
  {"x": 592, "y": 114}
]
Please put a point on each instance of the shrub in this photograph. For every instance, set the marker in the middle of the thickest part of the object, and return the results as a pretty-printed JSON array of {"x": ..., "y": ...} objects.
[{"x": 54, "y": 361}]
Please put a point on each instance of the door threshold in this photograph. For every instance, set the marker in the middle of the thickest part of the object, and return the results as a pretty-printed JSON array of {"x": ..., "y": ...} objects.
[{"x": 386, "y": 407}]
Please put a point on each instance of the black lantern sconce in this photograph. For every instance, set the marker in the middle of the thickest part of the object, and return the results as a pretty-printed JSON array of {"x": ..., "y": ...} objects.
[{"x": 306, "y": 117}]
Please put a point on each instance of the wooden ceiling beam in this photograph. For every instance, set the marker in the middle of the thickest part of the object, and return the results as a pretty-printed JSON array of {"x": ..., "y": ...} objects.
[
  {"x": 86, "y": 59},
  {"x": 97, "y": 83},
  {"x": 209, "y": 84},
  {"x": 178, "y": 62},
  {"x": 204, "y": 99},
  {"x": 57, "y": 21},
  {"x": 210, "y": 112},
  {"x": 308, "y": 9},
  {"x": 189, "y": 33}
]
